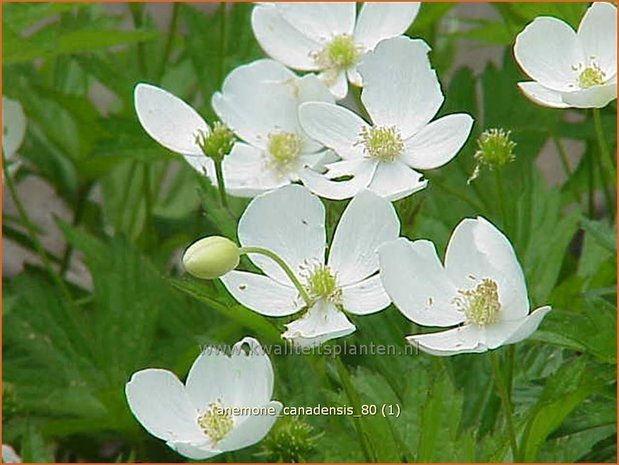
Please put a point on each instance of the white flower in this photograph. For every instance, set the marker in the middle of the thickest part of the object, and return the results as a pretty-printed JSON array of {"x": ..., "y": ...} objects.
[
  {"x": 401, "y": 94},
  {"x": 224, "y": 405},
  {"x": 327, "y": 37},
  {"x": 174, "y": 124},
  {"x": 571, "y": 69},
  {"x": 260, "y": 103},
  {"x": 13, "y": 129},
  {"x": 481, "y": 288},
  {"x": 291, "y": 222},
  {"x": 8, "y": 453}
]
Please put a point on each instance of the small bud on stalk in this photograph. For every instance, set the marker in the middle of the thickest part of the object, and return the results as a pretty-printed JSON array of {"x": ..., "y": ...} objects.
[{"x": 211, "y": 257}]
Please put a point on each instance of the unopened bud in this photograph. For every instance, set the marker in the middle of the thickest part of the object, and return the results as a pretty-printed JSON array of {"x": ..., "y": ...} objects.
[
  {"x": 211, "y": 257},
  {"x": 291, "y": 441},
  {"x": 218, "y": 143}
]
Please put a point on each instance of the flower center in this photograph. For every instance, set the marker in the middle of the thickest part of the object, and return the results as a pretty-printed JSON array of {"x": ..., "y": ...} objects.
[
  {"x": 322, "y": 284},
  {"x": 216, "y": 422},
  {"x": 480, "y": 305},
  {"x": 284, "y": 148},
  {"x": 340, "y": 53},
  {"x": 382, "y": 143},
  {"x": 591, "y": 76}
]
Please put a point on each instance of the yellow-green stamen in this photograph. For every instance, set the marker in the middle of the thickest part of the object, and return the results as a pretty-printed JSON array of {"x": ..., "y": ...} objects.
[
  {"x": 480, "y": 305},
  {"x": 283, "y": 149},
  {"x": 382, "y": 143},
  {"x": 322, "y": 284},
  {"x": 216, "y": 422},
  {"x": 340, "y": 53},
  {"x": 591, "y": 76}
]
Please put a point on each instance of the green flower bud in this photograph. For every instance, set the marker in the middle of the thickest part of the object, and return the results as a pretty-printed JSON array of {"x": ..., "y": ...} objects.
[
  {"x": 495, "y": 150},
  {"x": 211, "y": 257},
  {"x": 218, "y": 143}
]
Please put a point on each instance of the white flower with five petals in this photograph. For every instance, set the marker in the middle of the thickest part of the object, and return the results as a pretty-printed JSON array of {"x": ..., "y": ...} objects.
[
  {"x": 290, "y": 222},
  {"x": 260, "y": 103},
  {"x": 571, "y": 69},
  {"x": 481, "y": 287},
  {"x": 224, "y": 405},
  {"x": 327, "y": 37},
  {"x": 402, "y": 94}
]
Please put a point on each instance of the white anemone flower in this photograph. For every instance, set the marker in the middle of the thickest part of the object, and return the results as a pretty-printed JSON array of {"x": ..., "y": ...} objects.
[
  {"x": 291, "y": 223},
  {"x": 9, "y": 455},
  {"x": 481, "y": 287},
  {"x": 568, "y": 68},
  {"x": 260, "y": 103},
  {"x": 13, "y": 129},
  {"x": 328, "y": 38},
  {"x": 402, "y": 94},
  {"x": 224, "y": 405}
]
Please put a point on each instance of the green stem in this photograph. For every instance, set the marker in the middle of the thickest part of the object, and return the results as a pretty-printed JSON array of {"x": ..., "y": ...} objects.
[
  {"x": 284, "y": 266},
  {"x": 32, "y": 232},
  {"x": 563, "y": 156},
  {"x": 221, "y": 183},
  {"x": 82, "y": 200},
  {"x": 355, "y": 400},
  {"x": 501, "y": 194},
  {"x": 506, "y": 402},
  {"x": 148, "y": 201},
  {"x": 607, "y": 159}
]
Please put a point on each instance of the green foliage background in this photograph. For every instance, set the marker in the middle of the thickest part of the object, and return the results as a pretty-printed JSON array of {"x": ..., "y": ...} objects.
[{"x": 68, "y": 350}]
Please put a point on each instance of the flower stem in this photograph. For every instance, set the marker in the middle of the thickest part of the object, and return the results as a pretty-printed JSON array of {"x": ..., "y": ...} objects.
[
  {"x": 355, "y": 400},
  {"x": 284, "y": 266},
  {"x": 221, "y": 183},
  {"x": 607, "y": 159},
  {"x": 504, "y": 394},
  {"x": 501, "y": 194}
]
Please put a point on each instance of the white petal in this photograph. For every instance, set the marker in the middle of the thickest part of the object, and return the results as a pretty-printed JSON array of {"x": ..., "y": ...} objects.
[
  {"x": 319, "y": 21},
  {"x": 281, "y": 40},
  {"x": 460, "y": 340},
  {"x": 547, "y": 50},
  {"x": 194, "y": 451},
  {"x": 8, "y": 453},
  {"x": 541, "y": 95},
  {"x": 262, "y": 294},
  {"x": 353, "y": 76},
  {"x": 527, "y": 326},
  {"x": 239, "y": 380},
  {"x": 247, "y": 174},
  {"x": 417, "y": 283},
  {"x": 336, "y": 81},
  {"x": 438, "y": 142},
  {"x": 321, "y": 323},
  {"x": 258, "y": 99},
  {"x": 168, "y": 119},
  {"x": 333, "y": 126},
  {"x": 367, "y": 222},
  {"x": 13, "y": 126},
  {"x": 598, "y": 34},
  {"x": 378, "y": 21},
  {"x": 289, "y": 221},
  {"x": 160, "y": 403},
  {"x": 395, "y": 181},
  {"x": 252, "y": 430},
  {"x": 400, "y": 88},
  {"x": 594, "y": 97},
  {"x": 322, "y": 185},
  {"x": 365, "y": 297},
  {"x": 478, "y": 250},
  {"x": 203, "y": 165}
]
